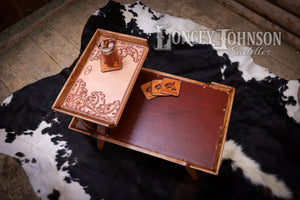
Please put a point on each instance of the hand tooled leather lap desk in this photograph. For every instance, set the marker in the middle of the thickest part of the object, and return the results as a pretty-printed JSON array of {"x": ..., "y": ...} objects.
[{"x": 189, "y": 129}]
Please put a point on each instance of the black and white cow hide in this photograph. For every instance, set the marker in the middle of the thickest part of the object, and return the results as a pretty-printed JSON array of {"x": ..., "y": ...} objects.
[{"x": 260, "y": 159}]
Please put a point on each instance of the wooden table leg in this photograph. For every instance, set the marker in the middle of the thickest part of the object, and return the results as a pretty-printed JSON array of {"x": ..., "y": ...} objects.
[
  {"x": 192, "y": 172},
  {"x": 100, "y": 144},
  {"x": 101, "y": 129}
]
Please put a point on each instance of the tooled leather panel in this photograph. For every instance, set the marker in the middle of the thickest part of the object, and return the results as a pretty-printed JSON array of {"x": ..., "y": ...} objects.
[
  {"x": 99, "y": 95},
  {"x": 125, "y": 49},
  {"x": 92, "y": 105}
]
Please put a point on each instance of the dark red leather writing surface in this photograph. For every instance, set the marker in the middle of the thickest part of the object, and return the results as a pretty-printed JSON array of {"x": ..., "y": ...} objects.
[{"x": 186, "y": 127}]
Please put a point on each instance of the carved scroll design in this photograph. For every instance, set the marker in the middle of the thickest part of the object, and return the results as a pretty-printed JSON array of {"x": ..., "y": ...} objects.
[
  {"x": 87, "y": 70},
  {"x": 92, "y": 105},
  {"x": 124, "y": 49},
  {"x": 134, "y": 51}
]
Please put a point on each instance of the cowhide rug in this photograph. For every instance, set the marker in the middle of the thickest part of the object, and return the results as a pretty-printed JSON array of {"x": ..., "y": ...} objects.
[{"x": 261, "y": 156}]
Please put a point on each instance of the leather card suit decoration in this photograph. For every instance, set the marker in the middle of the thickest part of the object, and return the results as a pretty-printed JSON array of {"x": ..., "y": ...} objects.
[
  {"x": 170, "y": 86},
  {"x": 147, "y": 88},
  {"x": 156, "y": 87}
]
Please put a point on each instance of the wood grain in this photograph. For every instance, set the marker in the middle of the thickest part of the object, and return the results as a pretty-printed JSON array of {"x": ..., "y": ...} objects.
[
  {"x": 262, "y": 22},
  {"x": 192, "y": 172},
  {"x": 70, "y": 24},
  {"x": 289, "y": 5},
  {"x": 28, "y": 6},
  {"x": 5, "y": 92},
  {"x": 10, "y": 12},
  {"x": 13, "y": 72},
  {"x": 21, "y": 29},
  {"x": 100, "y": 144},
  {"x": 25, "y": 64},
  {"x": 55, "y": 45},
  {"x": 275, "y": 14}
]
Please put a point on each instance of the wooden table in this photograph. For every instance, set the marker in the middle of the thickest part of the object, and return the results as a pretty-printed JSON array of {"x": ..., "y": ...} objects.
[{"x": 189, "y": 130}]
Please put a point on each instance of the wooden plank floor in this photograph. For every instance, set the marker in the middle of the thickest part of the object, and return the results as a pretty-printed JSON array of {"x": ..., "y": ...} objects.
[
  {"x": 55, "y": 44},
  {"x": 47, "y": 50}
]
